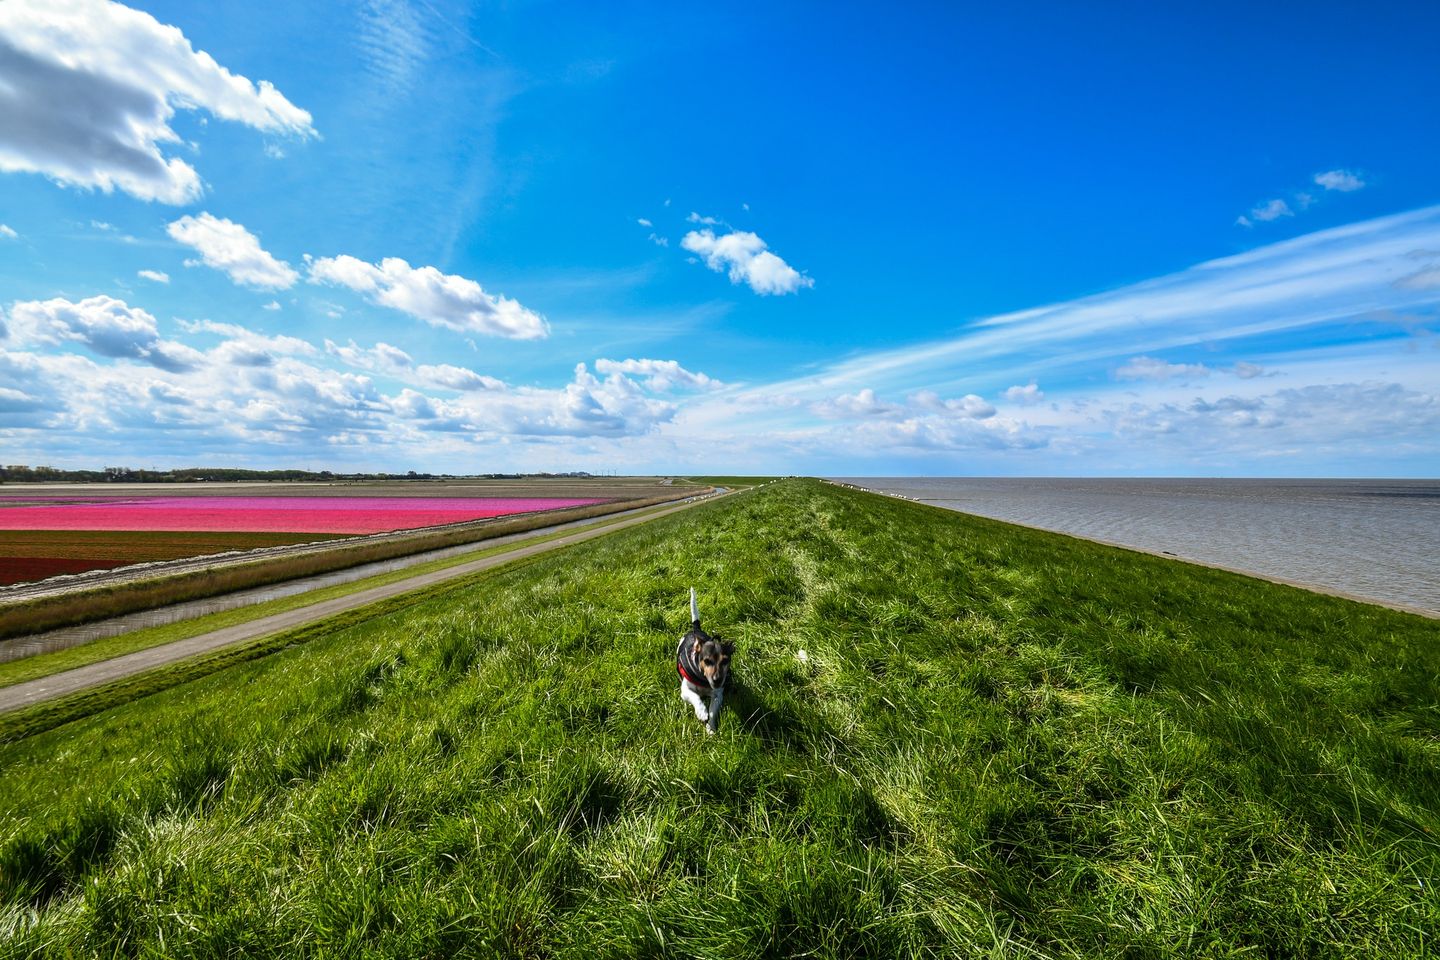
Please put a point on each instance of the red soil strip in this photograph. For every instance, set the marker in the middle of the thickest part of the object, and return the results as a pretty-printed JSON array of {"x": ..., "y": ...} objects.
[{"x": 27, "y": 569}]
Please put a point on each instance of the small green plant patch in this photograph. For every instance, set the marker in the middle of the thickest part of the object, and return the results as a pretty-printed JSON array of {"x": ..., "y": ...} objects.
[{"x": 947, "y": 737}]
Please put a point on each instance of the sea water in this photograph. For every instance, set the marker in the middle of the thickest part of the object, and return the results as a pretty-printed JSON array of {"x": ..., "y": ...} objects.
[{"x": 1372, "y": 539}]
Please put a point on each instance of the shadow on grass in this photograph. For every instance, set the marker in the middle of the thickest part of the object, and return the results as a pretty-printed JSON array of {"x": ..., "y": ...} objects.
[{"x": 776, "y": 725}]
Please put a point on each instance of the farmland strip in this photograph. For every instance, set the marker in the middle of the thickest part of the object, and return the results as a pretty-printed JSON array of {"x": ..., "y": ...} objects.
[{"x": 35, "y": 692}]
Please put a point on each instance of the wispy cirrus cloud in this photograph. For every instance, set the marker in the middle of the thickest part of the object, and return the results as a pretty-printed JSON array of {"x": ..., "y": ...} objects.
[
  {"x": 1241, "y": 327},
  {"x": 88, "y": 89},
  {"x": 395, "y": 42},
  {"x": 1304, "y": 284}
]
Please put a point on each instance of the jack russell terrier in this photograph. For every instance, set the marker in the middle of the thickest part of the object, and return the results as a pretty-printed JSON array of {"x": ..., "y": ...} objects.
[{"x": 703, "y": 662}]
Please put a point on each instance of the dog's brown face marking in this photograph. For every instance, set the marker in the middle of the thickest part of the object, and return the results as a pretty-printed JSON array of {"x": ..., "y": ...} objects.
[{"x": 714, "y": 659}]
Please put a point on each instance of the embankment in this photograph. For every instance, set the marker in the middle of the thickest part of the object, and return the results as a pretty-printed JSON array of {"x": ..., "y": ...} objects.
[{"x": 945, "y": 736}]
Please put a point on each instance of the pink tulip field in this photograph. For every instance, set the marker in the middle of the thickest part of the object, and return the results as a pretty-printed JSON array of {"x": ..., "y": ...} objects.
[
  {"x": 44, "y": 536},
  {"x": 335, "y": 515}
]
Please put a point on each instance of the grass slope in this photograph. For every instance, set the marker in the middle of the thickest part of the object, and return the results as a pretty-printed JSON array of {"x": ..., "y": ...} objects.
[{"x": 999, "y": 742}]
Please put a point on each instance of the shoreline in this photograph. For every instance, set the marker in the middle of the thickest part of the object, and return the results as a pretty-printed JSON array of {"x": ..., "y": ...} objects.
[{"x": 1322, "y": 589}]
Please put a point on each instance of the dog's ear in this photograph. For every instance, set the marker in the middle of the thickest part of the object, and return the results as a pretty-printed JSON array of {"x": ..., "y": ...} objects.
[{"x": 727, "y": 647}]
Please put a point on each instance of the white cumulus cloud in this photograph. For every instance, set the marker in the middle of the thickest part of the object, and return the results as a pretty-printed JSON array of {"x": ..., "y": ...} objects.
[
  {"x": 968, "y": 407},
  {"x": 1030, "y": 393},
  {"x": 226, "y": 245},
  {"x": 1267, "y": 211},
  {"x": 243, "y": 347},
  {"x": 392, "y": 361},
  {"x": 440, "y": 299},
  {"x": 1310, "y": 416},
  {"x": 1249, "y": 371},
  {"x": 1342, "y": 180},
  {"x": 922, "y": 405},
  {"x": 88, "y": 89},
  {"x": 746, "y": 258},
  {"x": 451, "y": 377},
  {"x": 108, "y": 327},
  {"x": 661, "y": 375}
]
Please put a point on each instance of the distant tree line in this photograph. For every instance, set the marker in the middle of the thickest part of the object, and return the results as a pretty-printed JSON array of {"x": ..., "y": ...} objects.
[{"x": 21, "y": 473}]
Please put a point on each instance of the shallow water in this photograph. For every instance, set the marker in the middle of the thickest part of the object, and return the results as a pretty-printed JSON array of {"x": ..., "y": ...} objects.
[{"x": 1372, "y": 539}]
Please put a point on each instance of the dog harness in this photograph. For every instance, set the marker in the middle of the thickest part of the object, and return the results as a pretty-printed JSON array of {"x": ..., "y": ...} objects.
[{"x": 687, "y": 666}]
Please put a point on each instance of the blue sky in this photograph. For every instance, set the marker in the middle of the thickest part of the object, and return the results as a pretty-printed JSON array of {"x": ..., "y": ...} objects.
[{"x": 1041, "y": 239}]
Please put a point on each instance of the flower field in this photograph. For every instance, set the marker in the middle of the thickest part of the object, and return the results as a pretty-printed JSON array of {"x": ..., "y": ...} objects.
[
  {"x": 28, "y": 555},
  {"x": 334, "y": 515},
  {"x": 44, "y": 536}
]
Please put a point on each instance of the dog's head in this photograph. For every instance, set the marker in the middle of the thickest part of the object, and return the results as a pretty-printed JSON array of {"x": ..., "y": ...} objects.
[{"x": 713, "y": 656}]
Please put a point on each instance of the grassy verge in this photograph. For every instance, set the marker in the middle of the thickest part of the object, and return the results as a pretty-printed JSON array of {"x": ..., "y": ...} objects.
[
  {"x": 84, "y": 605},
  {"x": 731, "y": 481},
  {"x": 47, "y": 664},
  {"x": 998, "y": 742}
]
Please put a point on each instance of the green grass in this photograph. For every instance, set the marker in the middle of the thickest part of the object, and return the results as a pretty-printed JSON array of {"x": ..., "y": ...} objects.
[
  {"x": 1000, "y": 742},
  {"x": 732, "y": 481},
  {"x": 107, "y": 648}
]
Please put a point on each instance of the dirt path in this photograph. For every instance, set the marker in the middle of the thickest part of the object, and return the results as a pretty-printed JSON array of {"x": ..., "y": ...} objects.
[{"x": 81, "y": 678}]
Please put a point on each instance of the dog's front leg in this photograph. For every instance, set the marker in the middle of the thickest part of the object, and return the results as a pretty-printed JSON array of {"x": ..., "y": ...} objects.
[
  {"x": 693, "y": 698},
  {"x": 715, "y": 701}
]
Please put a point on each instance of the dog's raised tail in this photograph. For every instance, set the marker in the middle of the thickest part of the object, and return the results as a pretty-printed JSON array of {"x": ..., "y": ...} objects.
[{"x": 694, "y": 608}]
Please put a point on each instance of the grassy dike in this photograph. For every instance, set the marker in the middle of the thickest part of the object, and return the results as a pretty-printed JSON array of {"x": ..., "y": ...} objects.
[{"x": 999, "y": 742}]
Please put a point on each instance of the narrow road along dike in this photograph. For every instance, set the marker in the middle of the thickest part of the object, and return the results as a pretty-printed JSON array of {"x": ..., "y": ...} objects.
[{"x": 31, "y": 692}]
